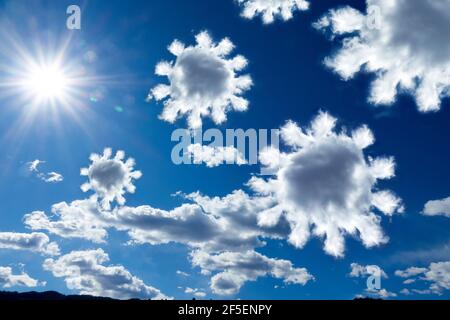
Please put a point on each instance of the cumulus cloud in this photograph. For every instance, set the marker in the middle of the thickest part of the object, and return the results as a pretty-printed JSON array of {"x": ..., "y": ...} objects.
[
  {"x": 36, "y": 242},
  {"x": 50, "y": 177},
  {"x": 410, "y": 272},
  {"x": 198, "y": 293},
  {"x": 382, "y": 293},
  {"x": 79, "y": 219},
  {"x": 236, "y": 268},
  {"x": 85, "y": 272},
  {"x": 381, "y": 41},
  {"x": 212, "y": 224},
  {"x": 437, "y": 208},
  {"x": 358, "y": 271},
  {"x": 110, "y": 178},
  {"x": 271, "y": 9},
  {"x": 215, "y": 156},
  {"x": 8, "y": 279},
  {"x": 326, "y": 186},
  {"x": 437, "y": 274},
  {"x": 203, "y": 82}
]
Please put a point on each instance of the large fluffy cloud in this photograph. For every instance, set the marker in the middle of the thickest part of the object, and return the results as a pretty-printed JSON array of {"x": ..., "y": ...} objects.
[
  {"x": 437, "y": 208},
  {"x": 212, "y": 224},
  {"x": 8, "y": 279},
  {"x": 271, "y": 9},
  {"x": 79, "y": 219},
  {"x": 36, "y": 241},
  {"x": 404, "y": 42},
  {"x": 110, "y": 177},
  {"x": 326, "y": 185},
  {"x": 437, "y": 274},
  {"x": 203, "y": 81},
  {"x": 85, "y": 272},
  {"x": 236, "y": 268},
  {"x": 217, "y": 226}
]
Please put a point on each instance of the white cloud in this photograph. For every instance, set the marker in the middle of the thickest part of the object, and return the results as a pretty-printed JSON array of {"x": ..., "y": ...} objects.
[
  {"x": 410, "y": 272},
  {"x": 203, "y": 82},
  {"x": 53, "y": 177},
  {"x": 405, "y": 291},
  {"x": 79, "y": 219},
  {"x": 182, "y": 273},
  {"x": 358, "y": 270},
  {"x": 212, "y": 224},
  {"x": 271, "y": 9},
  {"x": 215, "y": 156},
  {"x": 84, "y": 271},
  {"x": 425, "y": 291},
  {"x": 33, "y": 165},
  {"x": 437, "y": 274},
  {"x": 36, "y": 242},
  {"x": 326, "y": 186},
  {"x": 409, "y": 281},
  {"x": 195, "y": 292},
  {"x": 382, "y": 41},
  {"x": 8, "y": 279},
  {"x": 110, "y": 177},
  {"x": 208, "y": 224},
  {"x": 49, "y": 177},
  {"x": 382, "y": 293},
  {"x": 236, "y": 268},
  {"x": 437, "y": 208}
]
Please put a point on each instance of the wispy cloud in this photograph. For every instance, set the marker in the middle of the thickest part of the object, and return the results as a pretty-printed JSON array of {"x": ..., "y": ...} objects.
[{"x": 49, "y": 177}]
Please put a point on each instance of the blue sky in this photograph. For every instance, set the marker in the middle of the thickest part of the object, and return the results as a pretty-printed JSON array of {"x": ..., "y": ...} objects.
[{"x": 290, "y": 81}]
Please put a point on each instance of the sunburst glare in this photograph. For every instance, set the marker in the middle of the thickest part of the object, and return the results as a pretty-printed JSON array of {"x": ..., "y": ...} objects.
[{"x": 47, "y": 83}]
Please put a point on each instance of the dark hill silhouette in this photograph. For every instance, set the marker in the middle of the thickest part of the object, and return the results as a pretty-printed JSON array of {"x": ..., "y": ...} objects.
[{"x": 47, "y": 296}]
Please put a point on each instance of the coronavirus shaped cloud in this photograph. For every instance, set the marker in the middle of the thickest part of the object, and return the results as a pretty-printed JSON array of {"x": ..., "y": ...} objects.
[
  {"x": 404, "y": 43},
  {"x": 326, "y": 186},
  {"x": 271, "y": 9},
  {"x": 203, "y": 82},
  {"x": 110, "y": 177}
]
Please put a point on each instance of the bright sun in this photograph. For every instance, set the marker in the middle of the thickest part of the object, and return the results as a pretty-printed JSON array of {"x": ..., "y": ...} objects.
[{"x": 47, "y": 82}]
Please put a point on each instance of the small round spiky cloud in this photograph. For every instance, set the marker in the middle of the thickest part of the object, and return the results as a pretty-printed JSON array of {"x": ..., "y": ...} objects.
[
  {"x": 326, "y": 186},
  {"x": 271, "y": 9},
  {"x": 110, "y": 178},
  {"x": 203, "y": 81}
]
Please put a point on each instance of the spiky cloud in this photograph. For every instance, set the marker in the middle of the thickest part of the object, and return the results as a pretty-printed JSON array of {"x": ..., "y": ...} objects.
[
  {"x": 203, "y": 81},
  {"x": 110, "y": 178},
  {"x": 269, "y": 10},
  {"x": 386, "y": 41},
  {"x": 326, "y": 186}
]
